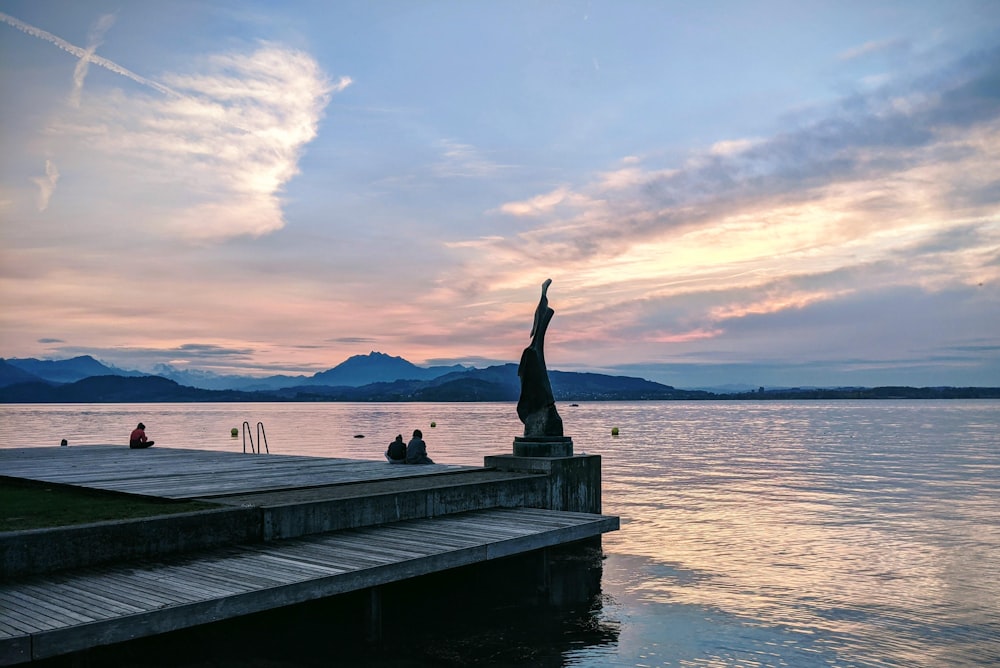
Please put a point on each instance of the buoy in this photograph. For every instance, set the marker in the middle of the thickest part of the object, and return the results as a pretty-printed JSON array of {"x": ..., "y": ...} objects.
[
  {"x": 614, "y": 431},
  {"x": 434, "y": 424},
  {"x": 234, "y": 432}
]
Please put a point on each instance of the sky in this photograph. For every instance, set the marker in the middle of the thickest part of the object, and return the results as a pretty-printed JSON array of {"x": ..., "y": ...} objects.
[{"x": 770, "y": 193}]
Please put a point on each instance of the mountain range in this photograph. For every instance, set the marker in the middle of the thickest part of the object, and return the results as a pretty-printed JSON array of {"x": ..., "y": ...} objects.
[
  {"x": 372, "y": 377},
  {"x": 379, "y": 377},
  {"x": 353, "y": 372}
]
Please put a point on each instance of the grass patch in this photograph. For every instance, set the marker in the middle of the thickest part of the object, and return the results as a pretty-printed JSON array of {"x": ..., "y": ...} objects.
[{"x": 26, "y": 504}]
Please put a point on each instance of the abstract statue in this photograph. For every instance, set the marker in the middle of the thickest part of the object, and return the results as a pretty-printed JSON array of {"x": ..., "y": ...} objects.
[{"x": 537, "y": 407}]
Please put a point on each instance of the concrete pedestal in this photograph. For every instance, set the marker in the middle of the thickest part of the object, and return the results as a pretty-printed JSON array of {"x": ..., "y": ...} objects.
[
  {"x": 574, "y": 483},
  {"x": 543, "y": 446}
]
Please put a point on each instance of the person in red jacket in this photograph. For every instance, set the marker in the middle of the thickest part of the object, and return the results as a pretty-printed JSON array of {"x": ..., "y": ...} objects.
[{"x": 138, "y": 438}]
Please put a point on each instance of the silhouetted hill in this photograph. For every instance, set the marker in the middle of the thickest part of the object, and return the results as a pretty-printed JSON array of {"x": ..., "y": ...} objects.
[
  {"x": 377, "y": 367},
  {"x": 10, "y": 375},
  {"x": 117, "y": 389},
  {"x": 67, "y": 371}
]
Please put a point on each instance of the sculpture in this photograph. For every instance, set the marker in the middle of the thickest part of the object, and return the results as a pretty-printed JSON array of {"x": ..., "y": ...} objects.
[{"x": 536, "y": 407}]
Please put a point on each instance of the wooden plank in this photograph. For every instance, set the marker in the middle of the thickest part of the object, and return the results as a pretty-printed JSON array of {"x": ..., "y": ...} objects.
[
  {"x": 147, "y": 596},
  {"x": 86, "y": 602},
  {"x": 18, "y": 619},
  {"x": 445, "y": 539},
  {"x": 58, "y": 604},
  {"x": 23, "y": 612}
]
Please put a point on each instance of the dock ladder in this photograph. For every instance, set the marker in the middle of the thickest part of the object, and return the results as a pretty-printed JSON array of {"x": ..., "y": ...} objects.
[{"x": 261, "y": 438}]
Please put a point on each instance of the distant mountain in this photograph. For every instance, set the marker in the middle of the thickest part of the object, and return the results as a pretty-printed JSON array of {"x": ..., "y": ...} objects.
[
  {"x": 378, "y": 367},
  {"x": 10, "y": 374},
  {"x": 68, "y": 371},
  {"x": 505, "y": 385},
  {"x": 207, "y": 380},
  {"x": 355, "y": 371}
]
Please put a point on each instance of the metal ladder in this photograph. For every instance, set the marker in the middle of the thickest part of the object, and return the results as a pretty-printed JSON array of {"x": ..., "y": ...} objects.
[{"x": 261, "y": 438}]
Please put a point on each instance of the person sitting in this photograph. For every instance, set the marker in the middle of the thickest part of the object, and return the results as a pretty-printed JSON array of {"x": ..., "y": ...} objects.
[
  {"x": 416, "y": 449},
  {"x": 138, "y": 438},
  {"x": 396, "y": 454}
]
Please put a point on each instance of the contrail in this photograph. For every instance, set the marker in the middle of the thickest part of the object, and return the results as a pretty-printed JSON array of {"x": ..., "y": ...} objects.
[
  {"x": 94, "y": 38},
  {"x": 84, "y": 54}
]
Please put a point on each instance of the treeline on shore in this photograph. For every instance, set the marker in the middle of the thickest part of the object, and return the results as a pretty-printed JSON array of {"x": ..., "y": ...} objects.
[{"x": 566, "y": 386}]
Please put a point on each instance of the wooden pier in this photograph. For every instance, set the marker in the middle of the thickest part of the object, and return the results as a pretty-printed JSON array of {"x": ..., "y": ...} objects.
[{"x": 305, "y": 528}]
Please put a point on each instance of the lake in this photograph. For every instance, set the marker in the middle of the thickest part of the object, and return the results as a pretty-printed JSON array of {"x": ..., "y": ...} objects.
[{"x": 849, "y": 533}]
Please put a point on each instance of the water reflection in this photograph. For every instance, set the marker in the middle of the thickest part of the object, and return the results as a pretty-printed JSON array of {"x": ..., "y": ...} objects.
[{"x": 862, "y": 533}]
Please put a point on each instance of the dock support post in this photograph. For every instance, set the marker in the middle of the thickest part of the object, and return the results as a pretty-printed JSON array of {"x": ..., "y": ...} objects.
[
  {"x": 373, "y": 615},
  {"x": 544, "y": 575}
]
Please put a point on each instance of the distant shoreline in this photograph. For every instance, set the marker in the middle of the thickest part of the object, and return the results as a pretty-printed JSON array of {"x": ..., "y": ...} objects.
[{"x": 153, "y": 389}]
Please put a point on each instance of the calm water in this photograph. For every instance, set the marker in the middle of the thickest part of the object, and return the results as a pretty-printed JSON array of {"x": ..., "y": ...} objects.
[{"x": 753, "y": 534}]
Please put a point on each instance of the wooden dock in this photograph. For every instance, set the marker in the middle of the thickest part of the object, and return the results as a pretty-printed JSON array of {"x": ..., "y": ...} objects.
[
  {"x": 174, "y": 473},
  {"x": 51, "y": 614}
]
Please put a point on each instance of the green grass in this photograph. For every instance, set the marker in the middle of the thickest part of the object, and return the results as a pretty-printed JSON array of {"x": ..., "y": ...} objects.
[{"x": 31, "y": 505}]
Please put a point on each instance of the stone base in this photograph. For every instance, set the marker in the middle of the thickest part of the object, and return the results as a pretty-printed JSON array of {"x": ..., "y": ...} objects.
[
  {"x": 574, "y": 483},
  {"x": 543, "y": 446}
]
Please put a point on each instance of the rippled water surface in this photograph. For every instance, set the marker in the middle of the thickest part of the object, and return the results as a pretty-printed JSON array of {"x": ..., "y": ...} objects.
[{"x": 753, "y": 534}]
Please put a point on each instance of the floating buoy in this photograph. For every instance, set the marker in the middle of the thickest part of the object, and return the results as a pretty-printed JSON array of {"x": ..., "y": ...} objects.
[
  {"x": 434, "y": 424},
  {"x": 234, "y": 432},
  {"x": 614, "y": 431},
  {"x": 359, "y": 436}
]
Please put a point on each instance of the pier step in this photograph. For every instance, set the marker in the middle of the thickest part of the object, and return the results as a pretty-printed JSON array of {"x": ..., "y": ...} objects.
[
  {"x": 53, "y": 614},
  {"x": 300, "y": 512}
]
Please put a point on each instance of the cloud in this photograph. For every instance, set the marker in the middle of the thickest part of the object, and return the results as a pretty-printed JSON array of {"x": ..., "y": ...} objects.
[
  {"x": 94, "y": 38},
  {"x": 882, "y": 167},
  {"x": 538, "y": 204},
  {"x": 213, "y": 159},
  {"x": 209, "y": 153},
  {"x": 46, "y": 184},
  {"x": 888, "y": 193},
  {"x": 892, "y": 44},
  {"x": 47, "y": 340},
  {"x": 203, "y": 356},
  {"x": 464, "y": 160},
  {"x": 211, "y": 350}
]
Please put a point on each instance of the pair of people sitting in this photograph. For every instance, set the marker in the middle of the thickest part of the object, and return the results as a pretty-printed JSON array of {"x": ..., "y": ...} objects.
[{"x": 414, "y": 452}]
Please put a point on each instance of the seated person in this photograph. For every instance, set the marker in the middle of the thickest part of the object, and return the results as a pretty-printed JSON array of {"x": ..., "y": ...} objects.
[
  {"x": 416, "y": 450},
  {"x": 138, "y": 438},
  {"x": 396, "y": 454}
]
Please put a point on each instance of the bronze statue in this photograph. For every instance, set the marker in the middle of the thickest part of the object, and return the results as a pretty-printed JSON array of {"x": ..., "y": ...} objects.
[{"x": 537, "y": 407}]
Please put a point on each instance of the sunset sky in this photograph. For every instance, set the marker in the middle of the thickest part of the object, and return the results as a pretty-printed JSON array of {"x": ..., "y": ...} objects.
[{"x": 765, "y": 193}]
